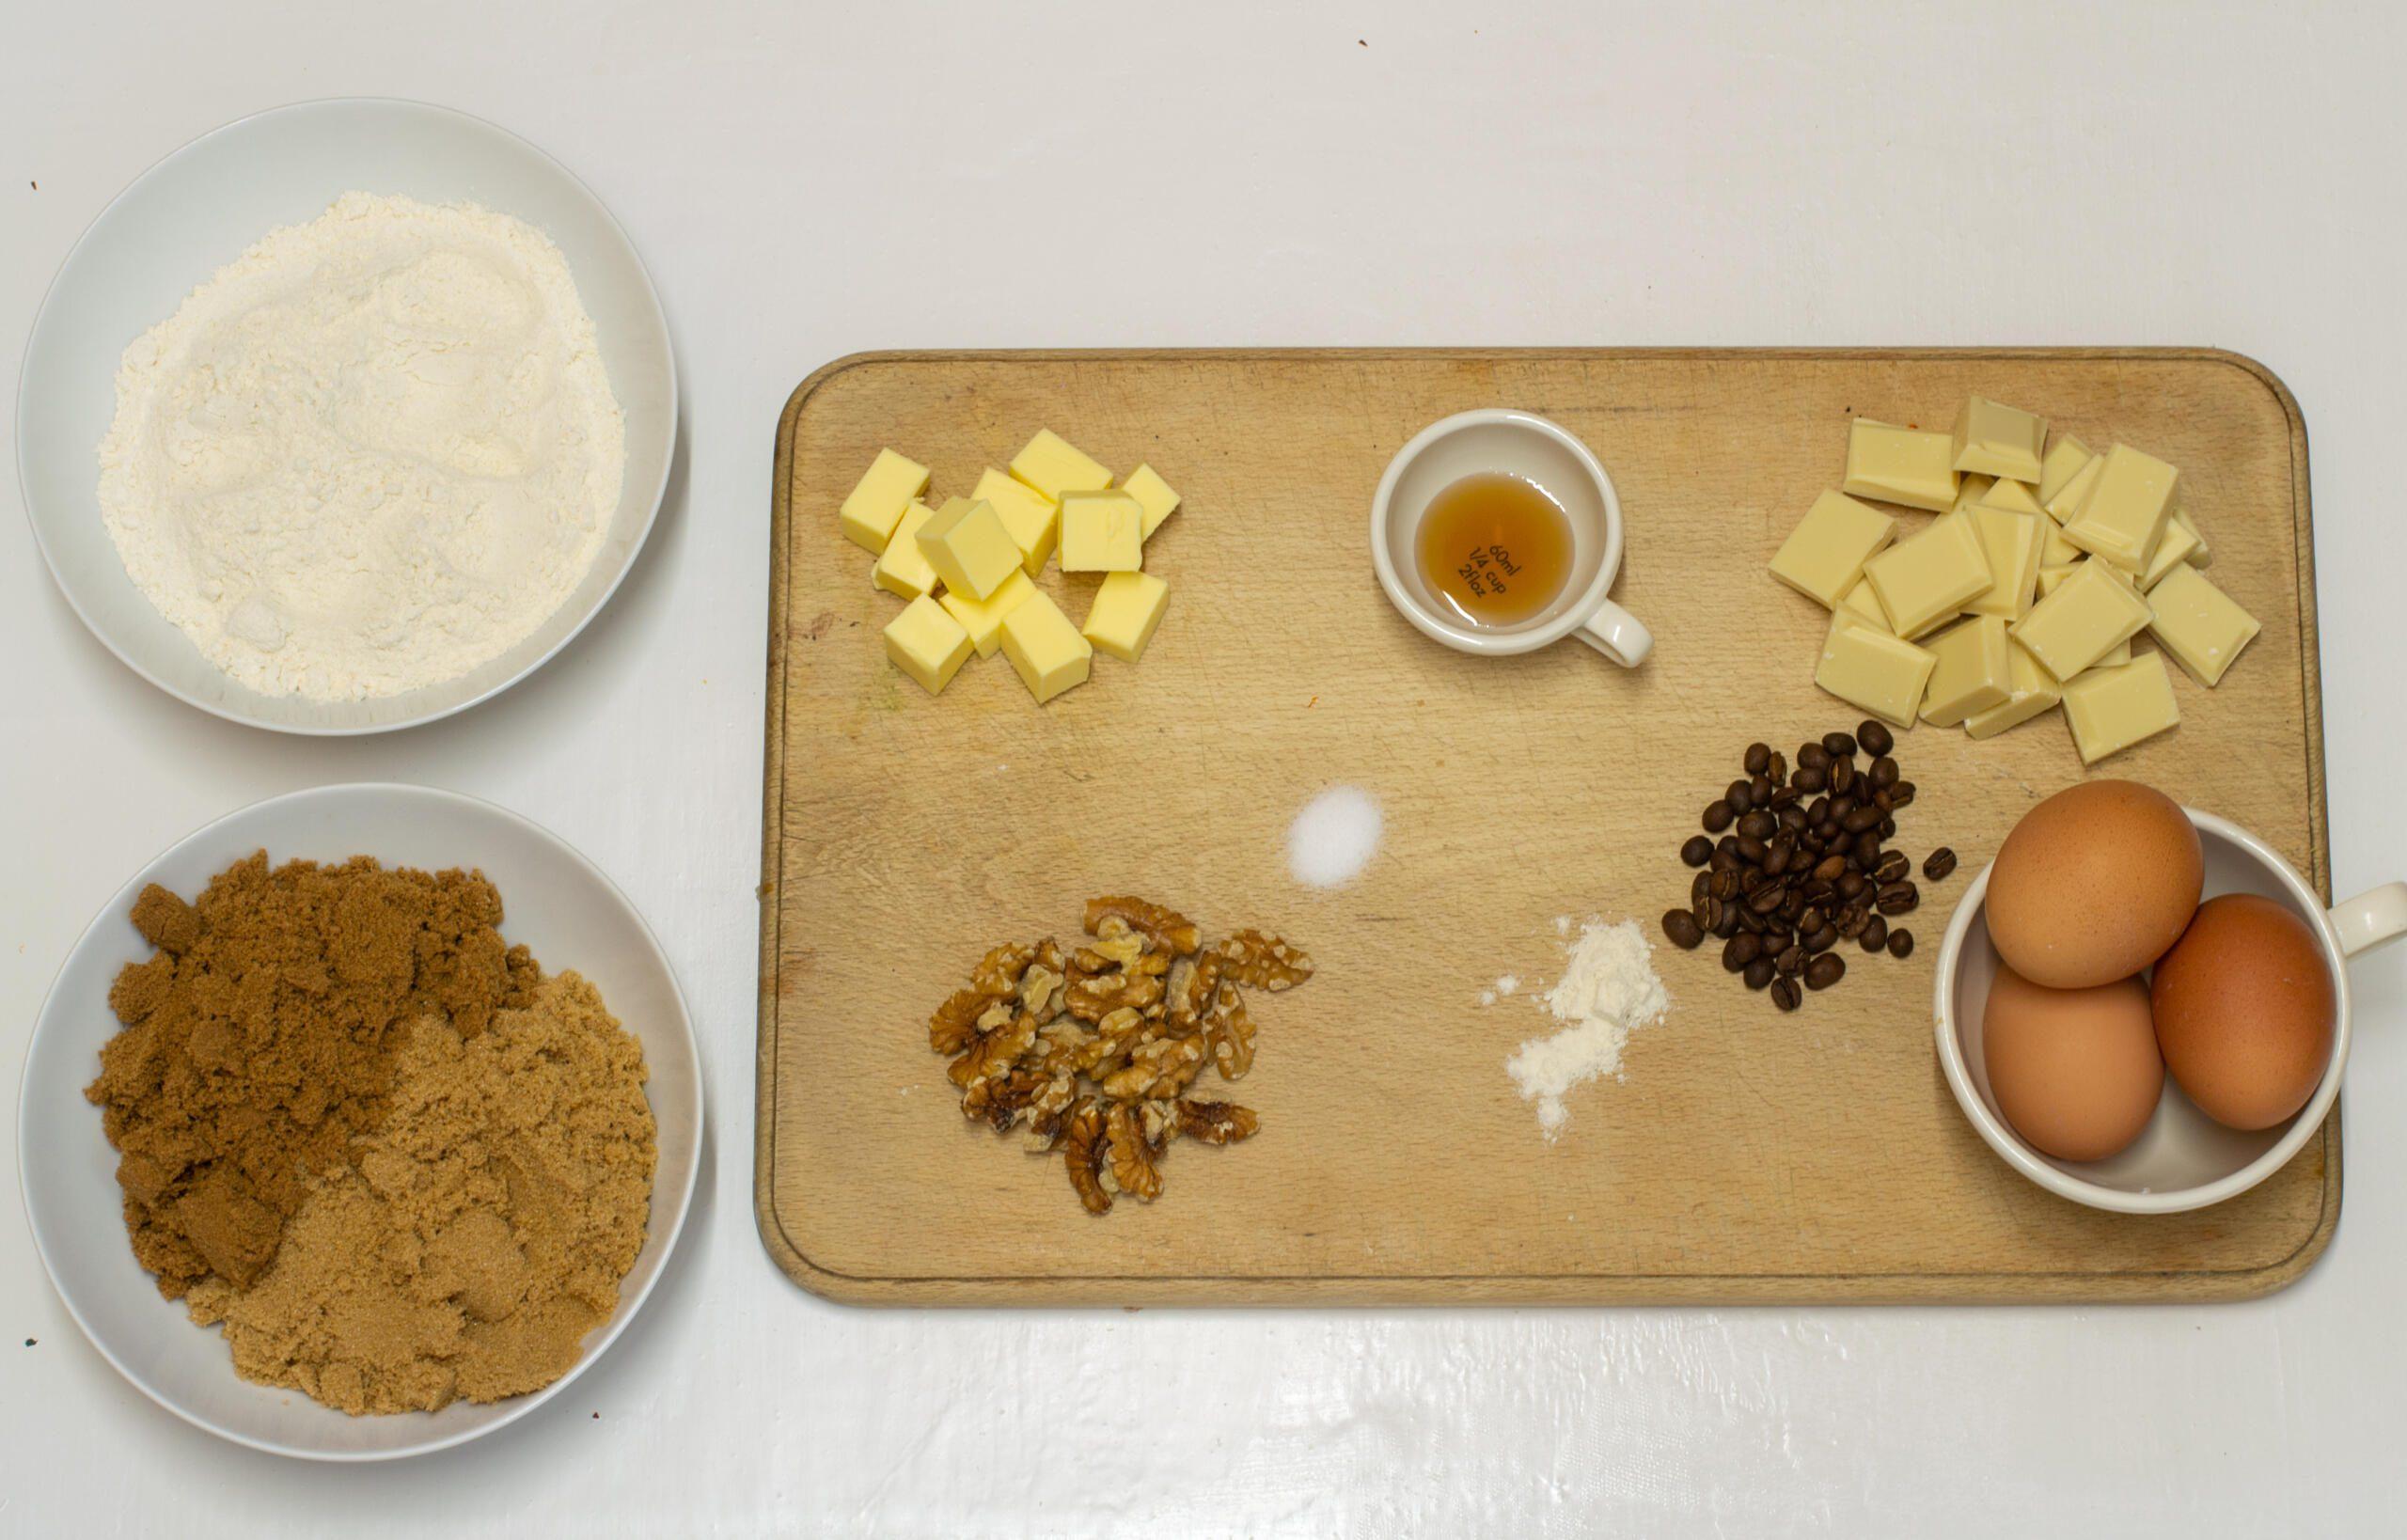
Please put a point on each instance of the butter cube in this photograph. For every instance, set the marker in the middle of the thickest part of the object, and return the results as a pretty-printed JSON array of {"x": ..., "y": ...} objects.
[
  {"x": 2031, "y": 691},
  {"x": 2069, "y": 497},
  {"x": 1127, "y": 609},
  {"x": 1865, "y": 605},
  {"x": 2110, "y": 709},
  {"x": 1825, "y": 553},
  {"x": 1032, "y": 519},
  {"x": 1102, "y": 532},
  {"x": 1971, "y": 670},
  {"x": 2199, "y": 556},
  {"x": 1927, "y": 576},
  {"x": 2123, "y": 516},
  {"x": 2172, "y": 551},
  {"x": 1153, "y": 494},
  {"x": 2066, "y": 456},
  {"x": 1053, "y": 466},
  {"x": 905, "y": 569},
  {"x": 2088, "y": 612},
  {"x": 927, "y": 644},
  {"x": 1971, "y": 490},
  {"x": 2199, "y": 624},
  {"x": 969, "y": 548},
  {"x": 1044, "y": 647},
  {"x": 1872, "y": 670},
  {"x": 983, "y": 618},
  {"x": 2010, "y": 543},
  {"x": 2012, "y": 495},
  {"x": 1998, "y": 440},
  {"x": 875, "y": 504},
  {"x": 1901, "y": 466}
]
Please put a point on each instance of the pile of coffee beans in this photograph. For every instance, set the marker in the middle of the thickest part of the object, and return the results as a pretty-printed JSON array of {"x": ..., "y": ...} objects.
[{"x": 1794, "y": 861}]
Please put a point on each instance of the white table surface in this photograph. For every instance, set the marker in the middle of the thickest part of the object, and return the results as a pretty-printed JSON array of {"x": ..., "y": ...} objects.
[{"x": 811, "y": 180}]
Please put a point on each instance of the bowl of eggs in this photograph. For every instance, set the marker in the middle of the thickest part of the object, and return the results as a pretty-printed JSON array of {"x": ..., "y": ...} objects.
[{"x": 2144, "y": 1007}]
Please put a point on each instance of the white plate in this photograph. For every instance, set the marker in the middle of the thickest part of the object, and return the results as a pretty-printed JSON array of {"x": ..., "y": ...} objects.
[
  {"x": 207, "y": 204},
  {"x": 554, "y": 900}
]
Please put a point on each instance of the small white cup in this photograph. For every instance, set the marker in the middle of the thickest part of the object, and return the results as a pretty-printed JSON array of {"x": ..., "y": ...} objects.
[
  {"x": 1512, "y": 443},
  {"x": 2183, "y": 1159}
]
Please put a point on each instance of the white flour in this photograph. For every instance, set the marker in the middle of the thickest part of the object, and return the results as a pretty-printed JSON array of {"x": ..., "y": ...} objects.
[
  {"x": 1608, "y": 989},
  {"x": 373, "y": 453}
]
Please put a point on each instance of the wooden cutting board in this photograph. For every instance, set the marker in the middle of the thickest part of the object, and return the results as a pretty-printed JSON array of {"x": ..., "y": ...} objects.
[{"x": 1746, "y": 1155}]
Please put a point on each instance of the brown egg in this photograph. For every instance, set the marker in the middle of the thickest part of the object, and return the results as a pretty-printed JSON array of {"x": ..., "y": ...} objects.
[
  {"x": 2093, "y": 883},
  {"x": 2245, "y": 1011},
  {"x": 2075, "y": 1071}
]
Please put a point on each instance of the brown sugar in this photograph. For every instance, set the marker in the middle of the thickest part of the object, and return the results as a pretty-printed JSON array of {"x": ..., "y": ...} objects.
[{"x": 259, "y": 1040}]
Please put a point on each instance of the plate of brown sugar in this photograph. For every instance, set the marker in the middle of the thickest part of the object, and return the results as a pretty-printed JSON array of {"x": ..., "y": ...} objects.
[{"x": 360, "y": 1122}]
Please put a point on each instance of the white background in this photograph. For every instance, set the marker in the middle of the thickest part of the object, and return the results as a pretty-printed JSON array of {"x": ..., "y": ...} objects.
[{"x": 811, "y": 180}]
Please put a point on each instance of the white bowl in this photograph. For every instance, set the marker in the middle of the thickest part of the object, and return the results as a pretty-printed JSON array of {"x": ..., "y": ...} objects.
[
  {"x": 553, "y": 899},
  {"x": 2183, "y": 1159},
  {"x": 204, "y": 206}
]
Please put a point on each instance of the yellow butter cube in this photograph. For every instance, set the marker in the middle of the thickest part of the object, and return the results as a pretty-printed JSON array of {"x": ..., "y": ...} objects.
[
  {"x": 1126, "y": 611},
  {"x": 2069, "y": 497},
  {"x": 1927, "y": 577},
  {"x": 2065, "y": 457},
  {"x": 1034, "y": 519},
  {"x": 2011, "y": 542},
  {"x": 1153, "y": 494},
  {"x": 969, "y": 548},
  {"x": 1971, "y": 490},
  {"x": 1102, "y": 532},
  {"x": 927, "y": 644},
  {"x": 1053, "y": 466},
  {"x": 1825, "y": 553},
  {"x": 2032, "y": 691},
  {"x": 2110, "y": 709},
  {"x": 983, "y": 618},
  {"x": 2122, "y": 517},
  {"x": 1864, "y": 603},
  {"x": 1971, "y": 670},
  {"x": 1998, "y": 440},
  {"x": 1901, "y": 466},
  {"x": 1872, "y": 670},
  {"x": 1044, "y": 647},
  {"x": 2084, "y": 616},
  {"x": 2199, "y": 623},
  {"x": 877, "y": 502},
  {"x": 905, "y": 569}
]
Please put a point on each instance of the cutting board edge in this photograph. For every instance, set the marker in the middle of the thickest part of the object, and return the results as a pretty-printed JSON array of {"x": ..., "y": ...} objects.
[{"x": 1990, "y": 1288}]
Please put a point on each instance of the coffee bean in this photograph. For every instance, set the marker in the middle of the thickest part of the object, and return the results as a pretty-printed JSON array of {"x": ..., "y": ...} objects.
[
  {"x": 1901, "y": 796},
  {"x": 1792, "y": 817},
  {"x": 1682, "y": 929},
  {"x": 1842, "y": 774},
  {"x": 1851, "y": 920},
  {"x": 1875, "y": 736},
  {"x": 1778, "y": 769},
  {"x": 1938, "y": 863},
  {"x": 1791, "y": 959},
  {"x": 1744, "y": 948},
  {"x": 1860, "y": 819},
  {"x": 1722, "y": 883},
  {"x": 1791, "y": 905},
  {"x": 1724, "y": 860},
  {"x": 1853, "y": 885},
  {"x": 1810, "y": 918},
  {"x": 1829, "y": 868},
  {"x": 1821, "y": 894},
  {"x": 1875, "y": 932},
  {"x": 1766, "y": 898},
  {"x": 1883, "y": 772},
  {"x": 1828, "y": 831},
  {"x": 1757, "y": 824},
  {"x": 1707, "y": 912},
  {"x": 1867, "y": 846},
  {"x": 1777, "y": 938},
  {"x": 1758, "y": 758},
  {"x": 1751, "y": 850},
  {"x": 1785, "y": 995},
  {"x": 1838, "y": 746},
  {"x": 1702, "y": 886},
  {"x": 1809, "y": 779},
  {"x": 1758, "y": 973},
  {"x": 1747, "y": 919},
  {"x": 1901, "y": 943},
  {"x": 1893, "y": 866},
  {"x": 1759, "y": 790},
  {"x": 1729, "y": 926},
  {"x": 1783, "y": 796},
  {"x": 1898, "y": 898},
  {"x": 1718, "y": 816},
  {"x": 1880, "y": 799},
  {"x": 1697, "y": 851},
  {"x": 1888, "y": 828},
  {"x": 1825, "y": 970},
  {"x": 1739, "y": 796},
  {"x": 1812, "y": 757}
]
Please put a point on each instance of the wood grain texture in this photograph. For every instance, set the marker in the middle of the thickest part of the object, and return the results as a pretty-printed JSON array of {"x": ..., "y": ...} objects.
[{"x": 1746, "y": 1155}]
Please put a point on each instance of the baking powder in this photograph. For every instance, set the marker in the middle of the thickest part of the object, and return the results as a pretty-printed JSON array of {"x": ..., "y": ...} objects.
[{"x": 1608, "y": 989}]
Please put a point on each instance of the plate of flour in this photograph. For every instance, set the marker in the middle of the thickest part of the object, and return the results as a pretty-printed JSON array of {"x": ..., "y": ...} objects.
[{"x": 346, "y": 417}]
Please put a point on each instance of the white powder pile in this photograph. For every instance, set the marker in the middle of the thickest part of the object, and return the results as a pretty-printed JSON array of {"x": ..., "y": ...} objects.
[
  {"x": 374, "y": 452},
  {"x": 1334, "y": 838},
  {"x": 1607, "y": 990}
]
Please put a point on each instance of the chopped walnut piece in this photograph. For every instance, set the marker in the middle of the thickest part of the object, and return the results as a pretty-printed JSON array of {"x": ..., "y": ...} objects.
[
  {"x": 994, "y": 1053},
  {"x": 999, "y": 1100},
  {"x": 1170, "y": 931},
  {"x": 1216, "y": 1122},
  {"x": 997, "y": 973},
  {"x": 955, "y": 1021},
  {"x": 1130, "y": 1154},
  {"x": 1263, "y": 962},
  {"x": 1094, "y": 997},
  {"x": 1228, "y": 1026},
  {"x": 1048, "y": 1109},
  {"x": 1082, "y": 1152},
  {"x": 1162, "y": 1067}
]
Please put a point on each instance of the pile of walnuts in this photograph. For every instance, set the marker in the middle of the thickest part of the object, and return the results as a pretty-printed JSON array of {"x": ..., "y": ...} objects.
[{"x": 1094, "y": 1049}]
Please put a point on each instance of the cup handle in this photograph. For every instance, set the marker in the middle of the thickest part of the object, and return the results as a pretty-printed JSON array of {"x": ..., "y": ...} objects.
[
  {"x": 1618, "y": 633},
  {"x": 2373, "y": 916}
]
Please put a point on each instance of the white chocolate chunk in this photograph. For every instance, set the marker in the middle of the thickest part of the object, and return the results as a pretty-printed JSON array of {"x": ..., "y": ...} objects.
[{"x": 2110, "y": 709}]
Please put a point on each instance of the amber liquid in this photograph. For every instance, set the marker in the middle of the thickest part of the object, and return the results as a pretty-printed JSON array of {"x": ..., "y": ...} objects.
[{"x": 1495, "y": 549}]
